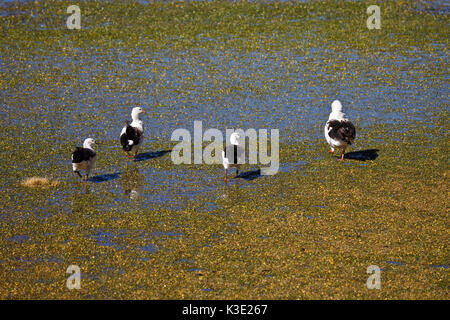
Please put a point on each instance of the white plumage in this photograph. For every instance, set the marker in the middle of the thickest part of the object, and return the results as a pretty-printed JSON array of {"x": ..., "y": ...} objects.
[
  {"x": 339, "y": 131},
  {"x": 83, "y": 159},
  {"x": 132, "y": 135},
  {"x": 233, "y": 155}
]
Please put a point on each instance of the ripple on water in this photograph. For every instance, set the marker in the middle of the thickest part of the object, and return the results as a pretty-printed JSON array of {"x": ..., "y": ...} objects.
[
  {"x": 397, "y": 263},
  {"x": 437, "y": 266},
  {"x": 150, "y": 248},
  {"x": 19, "y": 238},
  {"x": 108, "y": 239}
]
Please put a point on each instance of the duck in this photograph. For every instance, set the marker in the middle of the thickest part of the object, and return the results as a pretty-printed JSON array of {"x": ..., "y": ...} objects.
[
  {"x": 84, "y": 158},
  {"x": 339, "y": 130},
  {"x": 132, "y": 134},
  {"x": 232, "y": 155}
]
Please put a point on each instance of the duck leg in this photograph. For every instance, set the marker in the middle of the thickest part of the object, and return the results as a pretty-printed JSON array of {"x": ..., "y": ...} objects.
[
  {"x": 342, "y": 157},
  {"x": 226, "y": 178},
  {"x": 78, "y": 173},
  {"x": 88, "y": 171}
]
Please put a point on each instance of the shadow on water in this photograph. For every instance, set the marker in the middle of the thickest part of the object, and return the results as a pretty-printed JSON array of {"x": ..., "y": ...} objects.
[
  {"x": 256, "y": 173},
  {"x": 105, "y": 177},
  {"x": 250, "y": 175},
  {"x": 150, "y": 155},
  {"x": 363, "y": 155}
]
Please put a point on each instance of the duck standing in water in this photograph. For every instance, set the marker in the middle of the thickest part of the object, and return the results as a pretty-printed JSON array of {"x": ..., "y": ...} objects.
[
  {"x": 233, "y": 154},
  {"x": 84, "y": 158},
  {"x": 132, "y": 134},
  {"x": 339, "y": 131}
]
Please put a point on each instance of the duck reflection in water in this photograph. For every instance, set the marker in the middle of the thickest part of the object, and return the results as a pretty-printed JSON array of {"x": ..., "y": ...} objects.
[
  {"x": 82, "y": 199},
  {"x": 132, "y": 182}
]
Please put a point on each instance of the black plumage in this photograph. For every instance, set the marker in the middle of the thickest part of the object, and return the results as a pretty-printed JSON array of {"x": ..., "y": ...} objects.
[
  {"x": 131, "y": 133},
  {"x": 342, "y": 130},
  {"x": 234, "y": 150},
  {"x": 82, "y": 154}
]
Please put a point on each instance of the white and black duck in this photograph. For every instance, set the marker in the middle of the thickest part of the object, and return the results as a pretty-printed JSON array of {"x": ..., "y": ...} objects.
[
  {"x": 233, "y": 155},
  {"x": 132, "y": 134},
  {"x": 339, "y": 131},
  {"x": 84, "y": 158}
]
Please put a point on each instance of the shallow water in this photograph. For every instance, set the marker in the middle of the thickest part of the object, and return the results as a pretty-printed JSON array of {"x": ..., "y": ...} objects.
[{"x": 226, "y": 90}]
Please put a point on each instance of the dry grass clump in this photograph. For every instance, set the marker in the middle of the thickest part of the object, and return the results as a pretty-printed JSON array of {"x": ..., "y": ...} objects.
[{"x": 39, "y": 182}]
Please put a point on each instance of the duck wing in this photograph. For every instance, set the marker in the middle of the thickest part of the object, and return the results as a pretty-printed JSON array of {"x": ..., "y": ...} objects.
[
  {"x": 342, "y": 130},
  {"x": 82, "y": 154}
]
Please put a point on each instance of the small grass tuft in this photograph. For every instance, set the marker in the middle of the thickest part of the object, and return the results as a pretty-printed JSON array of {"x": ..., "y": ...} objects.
[{"x": 39, "y": 182}]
